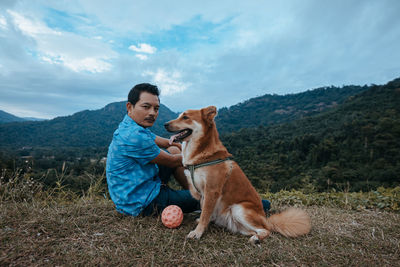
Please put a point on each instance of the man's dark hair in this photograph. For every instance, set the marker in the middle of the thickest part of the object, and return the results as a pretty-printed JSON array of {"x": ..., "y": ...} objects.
[{"x": 134, "y": 93}]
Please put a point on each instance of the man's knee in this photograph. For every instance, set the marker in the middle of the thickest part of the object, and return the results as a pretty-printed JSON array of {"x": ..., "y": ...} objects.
[{"x": 174, "y": 150}]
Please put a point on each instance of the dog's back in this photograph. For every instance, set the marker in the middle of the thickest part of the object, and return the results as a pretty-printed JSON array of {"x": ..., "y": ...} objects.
[{"x": 242, "y": 211}]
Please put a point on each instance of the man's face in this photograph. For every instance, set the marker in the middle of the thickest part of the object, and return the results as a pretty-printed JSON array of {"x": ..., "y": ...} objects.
[{"x": 145, "y": 111}]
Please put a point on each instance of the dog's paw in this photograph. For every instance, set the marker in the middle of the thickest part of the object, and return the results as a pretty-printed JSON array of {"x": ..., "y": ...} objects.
[
  {"x": 194, "y": 234},
  {"x": 254, "y": 240}
]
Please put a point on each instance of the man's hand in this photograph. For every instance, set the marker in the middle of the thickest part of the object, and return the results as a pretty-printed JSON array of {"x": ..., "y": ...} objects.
[
  {"x": 164, "y": 143},
  {"x": 172, "y": 159},
  {"x": 178, "y": 145}
]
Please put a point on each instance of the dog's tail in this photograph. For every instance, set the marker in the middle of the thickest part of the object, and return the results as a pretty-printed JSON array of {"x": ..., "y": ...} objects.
[{"x": 290, "y": 223}]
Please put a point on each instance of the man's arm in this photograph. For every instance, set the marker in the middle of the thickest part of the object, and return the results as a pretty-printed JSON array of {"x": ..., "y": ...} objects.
[{"x": 169, "y": 160}]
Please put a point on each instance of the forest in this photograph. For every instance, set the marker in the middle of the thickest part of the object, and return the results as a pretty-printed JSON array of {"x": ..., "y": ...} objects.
[
  {"x": 352, "y": 147},
  {"x": 347, "y": 143}
]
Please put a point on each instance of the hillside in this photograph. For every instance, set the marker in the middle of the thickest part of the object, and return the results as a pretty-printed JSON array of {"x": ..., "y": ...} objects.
[
  {"x": 91, "y": 233},
  {"x": 355, "y": 146},
  {"x": 95, "y": 128},
  {"x": 89, "y": 128},
  {"x": 272, "y": 109},
  {"x": 351, "y": 146},
  {"x": 7, "y": 117}
]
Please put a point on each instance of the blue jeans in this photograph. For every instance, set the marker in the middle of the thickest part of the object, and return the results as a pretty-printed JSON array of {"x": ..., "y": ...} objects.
[
  {"x": 181, "y": 198},
  {"x": 168, "y": 196}
]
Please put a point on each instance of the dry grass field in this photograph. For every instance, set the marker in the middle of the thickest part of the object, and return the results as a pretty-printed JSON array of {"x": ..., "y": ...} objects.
[{"x": 89, "y": 232}]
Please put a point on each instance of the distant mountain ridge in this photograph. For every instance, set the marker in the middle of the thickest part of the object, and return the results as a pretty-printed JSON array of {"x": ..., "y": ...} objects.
[
  {"x": 88, "y": 128},
  {"x": 345, "y": 139},
  {"x": 94, "y": 128},
  {"x": 6, "y": 117}
]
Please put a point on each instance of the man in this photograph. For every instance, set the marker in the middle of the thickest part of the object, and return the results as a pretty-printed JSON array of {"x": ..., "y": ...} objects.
[{"x": 137, "y": 169}]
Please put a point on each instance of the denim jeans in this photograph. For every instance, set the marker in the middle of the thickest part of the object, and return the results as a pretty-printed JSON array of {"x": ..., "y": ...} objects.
[{"x": 168, "y": 196}]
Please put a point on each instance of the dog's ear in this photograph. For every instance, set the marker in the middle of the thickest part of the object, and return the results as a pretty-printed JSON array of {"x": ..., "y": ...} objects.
[{"x": 208, "y": 114}]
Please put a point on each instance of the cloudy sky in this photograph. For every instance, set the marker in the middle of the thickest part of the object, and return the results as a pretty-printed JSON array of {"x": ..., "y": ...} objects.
[{"x": 58, "y": 57}]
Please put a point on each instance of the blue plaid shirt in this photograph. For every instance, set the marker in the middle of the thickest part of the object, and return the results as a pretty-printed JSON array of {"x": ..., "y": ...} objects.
[{"x": 132, "y": 180}]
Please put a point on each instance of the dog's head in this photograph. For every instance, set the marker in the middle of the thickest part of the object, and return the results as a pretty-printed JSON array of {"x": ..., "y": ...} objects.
[{"x": 191, "y": 123}]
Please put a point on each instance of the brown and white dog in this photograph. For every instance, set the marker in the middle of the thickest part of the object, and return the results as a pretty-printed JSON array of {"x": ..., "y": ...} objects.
[{"x": 225, "y": 193}]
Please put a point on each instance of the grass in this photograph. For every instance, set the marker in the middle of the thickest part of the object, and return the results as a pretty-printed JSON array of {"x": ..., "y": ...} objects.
[
  {"x": 59, "y": 228},
  {"x": 91, "y": 232},
  {"x": 380, "y": 199}
]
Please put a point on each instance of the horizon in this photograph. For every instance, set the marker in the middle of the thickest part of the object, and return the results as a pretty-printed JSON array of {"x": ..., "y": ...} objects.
[
  {"x": 60, "y": 58},
  {"x": 179, "y": 111}
]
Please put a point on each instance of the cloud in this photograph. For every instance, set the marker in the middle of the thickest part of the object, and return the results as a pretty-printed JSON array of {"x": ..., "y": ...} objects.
[
  {"x": 60, "y": 57},
  {"x": 75, "y": 52},
  {"x": 30, "y": 27},
  {"x": 86, "y": 64},
  {"x": 141, "y": 57},
  {"x": 169, "y": 82},
  {"x": 143, "y": 48},
  {"x": 3, "y": 22}
]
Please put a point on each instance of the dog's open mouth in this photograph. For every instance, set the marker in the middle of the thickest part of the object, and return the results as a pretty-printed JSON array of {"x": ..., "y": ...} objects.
[{"x": 180, "y": 136}]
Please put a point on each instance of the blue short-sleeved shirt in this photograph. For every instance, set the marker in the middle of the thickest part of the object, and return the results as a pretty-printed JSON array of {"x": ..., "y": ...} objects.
[{"x": 132, "y": 180}]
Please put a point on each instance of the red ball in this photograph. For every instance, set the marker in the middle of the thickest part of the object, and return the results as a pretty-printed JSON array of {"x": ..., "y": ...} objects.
[{"x": 172, "y": 216}]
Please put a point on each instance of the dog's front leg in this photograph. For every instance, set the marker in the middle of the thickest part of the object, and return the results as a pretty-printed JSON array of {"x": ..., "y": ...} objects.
[
  {"x": 193, "y": 191},
  {"x": 195, "y": 194},
  {"x": 210, "y": 199}
]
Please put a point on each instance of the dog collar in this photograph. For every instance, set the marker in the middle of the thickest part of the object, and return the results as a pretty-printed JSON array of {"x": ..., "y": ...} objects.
[{"x": 191, "y": 168}]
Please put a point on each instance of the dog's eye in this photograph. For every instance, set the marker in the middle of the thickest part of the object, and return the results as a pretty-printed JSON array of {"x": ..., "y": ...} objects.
[{"x": 185, "y": 117}]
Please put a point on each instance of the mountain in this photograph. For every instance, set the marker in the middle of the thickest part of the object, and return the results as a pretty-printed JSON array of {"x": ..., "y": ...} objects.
[
  {"x": 7, "y": 117},
  {"x": 95, "y": 128},
  {"x": 345, "y": 139},
  {"x": 83, "y": 129},
  {"x": 272, "y": 109},
  {"x": 33, "y": 119},
  {"x": 354, "y": 146}
]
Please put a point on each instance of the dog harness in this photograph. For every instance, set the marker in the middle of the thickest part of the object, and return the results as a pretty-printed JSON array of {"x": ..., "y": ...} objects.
[{"x": 191, "y": 168}]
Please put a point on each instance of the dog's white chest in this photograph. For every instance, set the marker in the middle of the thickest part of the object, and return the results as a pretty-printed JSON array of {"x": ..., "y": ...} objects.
[
  {"x": 198, "y": 180},
  {"x": 187, "y": 152}
]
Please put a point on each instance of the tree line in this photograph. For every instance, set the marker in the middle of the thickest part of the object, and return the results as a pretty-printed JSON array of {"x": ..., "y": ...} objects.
[{"x": 352, "y": 146}]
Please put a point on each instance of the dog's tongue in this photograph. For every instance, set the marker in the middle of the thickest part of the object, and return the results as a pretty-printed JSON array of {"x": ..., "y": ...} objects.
[{"x": 172, "y": 139}]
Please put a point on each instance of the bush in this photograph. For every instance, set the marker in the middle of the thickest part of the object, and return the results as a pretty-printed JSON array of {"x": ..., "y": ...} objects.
[{"x": 382, "y": 198}]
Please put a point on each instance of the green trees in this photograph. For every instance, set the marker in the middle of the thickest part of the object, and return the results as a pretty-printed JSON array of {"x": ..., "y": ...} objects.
[
  {"x": 331, "y": 138},
  {"x": 355, "y": 146}
]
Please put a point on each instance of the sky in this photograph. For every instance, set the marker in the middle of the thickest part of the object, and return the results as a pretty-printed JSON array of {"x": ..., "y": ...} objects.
[{"x": 59, "y": 57}]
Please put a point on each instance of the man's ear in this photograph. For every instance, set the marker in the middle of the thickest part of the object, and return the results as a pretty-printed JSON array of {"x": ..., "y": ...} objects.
[
  {"x": 209, "y": 114},
  {"x": 128, "y": 106}
]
